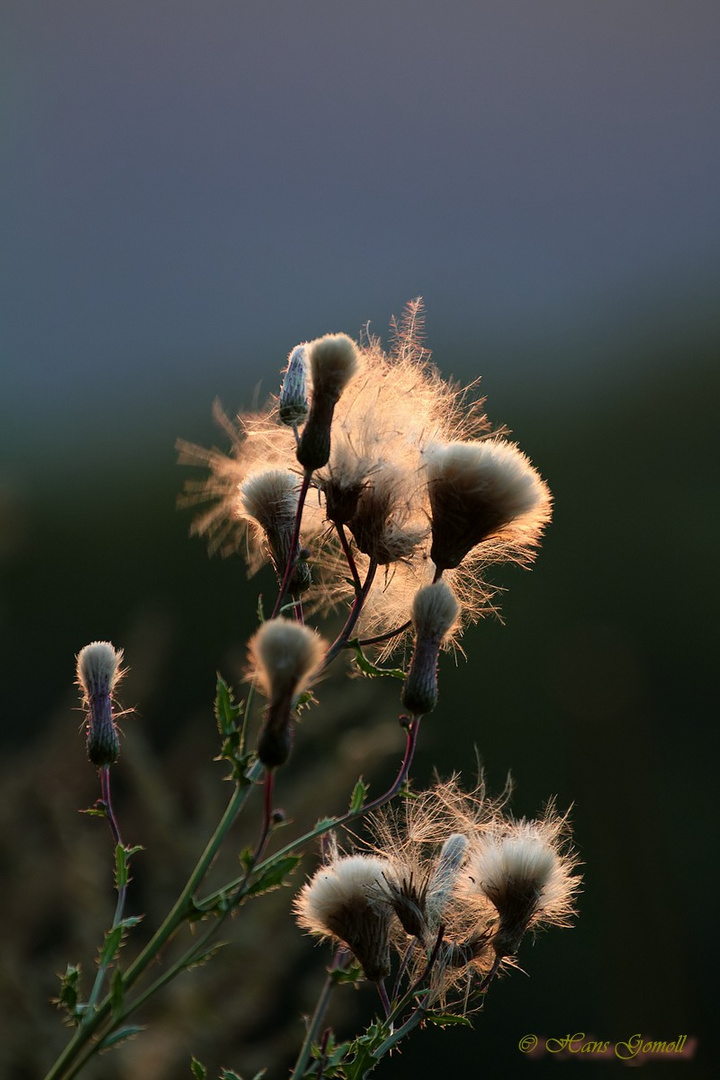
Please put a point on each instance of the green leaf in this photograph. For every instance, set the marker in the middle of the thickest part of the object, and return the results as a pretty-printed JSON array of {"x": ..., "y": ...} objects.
[
  {"x": 371, "y": 670},
  {"x": 229, "y": 1074},
  {"x": 118, "y": 1036},
  {"x": 123, "y": 854},
  {"x": 227, "y": 713},
  {"x": 199, "y": 1071},
  {"x": 357, "y": 799},
  {"x": 274, "y": 875},
  {"x": 69, "y": 996},
  {"x": 447, "y": 1020}
]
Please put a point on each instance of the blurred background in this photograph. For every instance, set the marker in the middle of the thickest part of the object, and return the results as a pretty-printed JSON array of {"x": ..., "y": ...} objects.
[{"x": 189, "y": 189}]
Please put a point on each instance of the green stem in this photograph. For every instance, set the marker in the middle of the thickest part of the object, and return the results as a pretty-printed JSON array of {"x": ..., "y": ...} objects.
[{"x": 182, "y": 907}]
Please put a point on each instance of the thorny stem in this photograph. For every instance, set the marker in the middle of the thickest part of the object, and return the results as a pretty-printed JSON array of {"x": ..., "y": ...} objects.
[
  {"x": 182, "y": 907},
  {"x": 122, "y": 890},
  {"x": 238, "y": 884},
  {"x": 294, "y": 543},
  {"x": 318, "y": 1016},
  {"x": 387, "y": 1008}
]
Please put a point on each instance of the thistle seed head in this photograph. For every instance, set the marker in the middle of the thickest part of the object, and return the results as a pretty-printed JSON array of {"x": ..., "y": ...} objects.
[
  {"x": 526, "y": 870},
  {"x": 482, "y": 490},
  {"x": 270, "y": 500},
  {"x": 435, "y": 611},
  {"x": 98, "y": 673},
  {"x": 333, "y": 361},
  {"x": 344, "y": 901}
]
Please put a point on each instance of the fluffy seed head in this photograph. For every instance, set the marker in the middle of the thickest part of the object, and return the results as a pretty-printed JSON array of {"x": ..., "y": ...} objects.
[
  {"x": 526, "y": 871},
  {"x": 284, "y": 657},
  {"x": 482, "y": 490},
  {"x": 344, "y": 900},
  {"x": 435, "y": 611},
  {"x": 270, "y": 500},
  {"x": 333, "y": 361},
  {"x": 98, "y": 673},
  {"x": 98, "y": 668}
]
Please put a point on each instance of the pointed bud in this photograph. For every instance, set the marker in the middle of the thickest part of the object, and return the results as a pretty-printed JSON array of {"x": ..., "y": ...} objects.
[
  {"x": 98, "y": 673},
  {"x": 293, "y": 403}
]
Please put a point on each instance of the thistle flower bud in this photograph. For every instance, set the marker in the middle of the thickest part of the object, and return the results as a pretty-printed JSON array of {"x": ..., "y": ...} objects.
[
  {"x": 344, "y": 901},
  {"x": 98, "y": 673},
  {"x": 434, "y": 613},
  {"x": 293, "y": 403},
  {"x": 526, "y": 876},
  {"x": 477, "y": 491},
  {"x": 441, "y": 884},
  {"x": 270, "y": 499},
  {"x": 333, "y": 362},
  {"x": 284, "y": 657}
]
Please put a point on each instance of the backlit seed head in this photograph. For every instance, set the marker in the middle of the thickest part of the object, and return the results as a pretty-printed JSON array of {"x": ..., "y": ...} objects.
[
  {"x": 333, "y": 361},
  {"x": 270, "y": 500},
  {"x": 344, "y": 901},
  {"x": 98, "y": 673},
  {"x": 479, "y": 491}
]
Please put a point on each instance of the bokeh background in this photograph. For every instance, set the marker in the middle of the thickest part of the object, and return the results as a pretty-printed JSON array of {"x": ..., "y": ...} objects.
[{"x": 188, "y": 189}]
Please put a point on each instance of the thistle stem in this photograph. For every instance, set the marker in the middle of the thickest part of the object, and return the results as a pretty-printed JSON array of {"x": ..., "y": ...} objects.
[
  {"x": 347, "y": 551},
  {"x": 318, "y": 1016},
  {"x": 355, "y": 611},
  {"x": 294, "y": 543}
]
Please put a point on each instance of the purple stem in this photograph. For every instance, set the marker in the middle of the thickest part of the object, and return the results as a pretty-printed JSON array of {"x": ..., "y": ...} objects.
[{"x": 294, "y": 544}]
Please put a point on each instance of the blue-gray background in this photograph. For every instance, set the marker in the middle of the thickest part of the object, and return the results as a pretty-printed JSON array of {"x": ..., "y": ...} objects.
[{"x": 190, "y": 188}]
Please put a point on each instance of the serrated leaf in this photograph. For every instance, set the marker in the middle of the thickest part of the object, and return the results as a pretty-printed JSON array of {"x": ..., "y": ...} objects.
[
  {"x": 68, "y": 998},
  {"x": 119, "y": 1036},
  {"x": 371, "y": 670},
  {"x": 447, "y": 1020},
  {"x": 198, "y": 1070},
  {"x": 229, "y": 1074},
  {"x": 357, "y": 799},
  {"x": 228, "y": 714},
  {"x": 123, "y": 854},
  {"x": 198, "y": 959},
  {"x": 95, "y": 811},
  {"x": 274, "y": 875}
]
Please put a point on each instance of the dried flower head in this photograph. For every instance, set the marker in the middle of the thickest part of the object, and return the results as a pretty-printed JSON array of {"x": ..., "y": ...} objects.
[
  {"x": 344, "y": 901},
  {"x": 526, "y": 870},
  {"x": 284, "y": 657},
  {"x": 480, "y": 491},
  {"x": 98, "y": 673},
  {"x": 333, "y": 361},
  {"x": 435, "y": 612},
  {"x": 270, "y": 499}
]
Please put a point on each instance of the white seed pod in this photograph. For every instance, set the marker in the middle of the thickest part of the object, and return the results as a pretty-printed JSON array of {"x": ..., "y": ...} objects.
[{"x": 98, "y": 673}]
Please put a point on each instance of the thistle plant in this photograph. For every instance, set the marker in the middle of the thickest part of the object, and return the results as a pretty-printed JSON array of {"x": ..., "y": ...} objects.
[{"x": 380, "y": 496}]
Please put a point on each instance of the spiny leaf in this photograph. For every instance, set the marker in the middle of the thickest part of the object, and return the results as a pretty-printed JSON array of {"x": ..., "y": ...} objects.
[
  {"x": 447, "y": 1019},
  {"x": 199, "y": 1071},
  {"x": 274, "y": 875},
  {"x": 123, "y": 854},
  {"x": 371, "y": 670},
  {"x": 118, "y": 1036},
  {"x": 227, "y": 713},
  {"x": 357, "y": 799}
]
